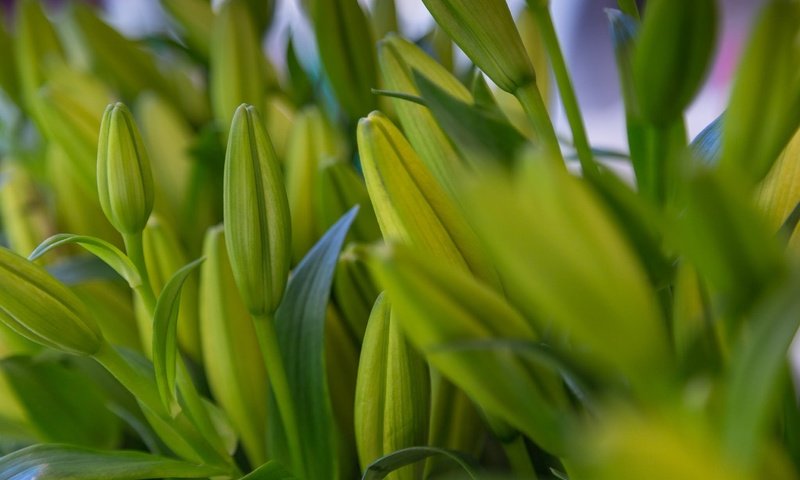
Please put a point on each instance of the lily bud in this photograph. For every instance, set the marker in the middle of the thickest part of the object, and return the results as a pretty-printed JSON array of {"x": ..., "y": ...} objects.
[
  {"x": 392, "y": 393},
  {"x": 124, "y": 180},
  {"x": 38, "y": 307},
  {"x": 256, "y": 213},
  {"x": 485, "y": 30}
]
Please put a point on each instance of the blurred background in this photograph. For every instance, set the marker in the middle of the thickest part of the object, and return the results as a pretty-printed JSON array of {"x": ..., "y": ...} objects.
[{"x": 581, "y": 25}]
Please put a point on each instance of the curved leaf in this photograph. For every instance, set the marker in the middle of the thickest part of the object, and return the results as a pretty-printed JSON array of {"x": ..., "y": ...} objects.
[
  {"x": 103, "y": 250},
  {"x": 165, "y": 332},
  {"x": 300, "y": 326},
  {"x": 271, "y": 470},
  {"x": 385, "y": 465},
  {"x": 45, "y": 462}
]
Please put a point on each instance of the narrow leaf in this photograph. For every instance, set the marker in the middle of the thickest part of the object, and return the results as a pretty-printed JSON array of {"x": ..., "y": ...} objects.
[
  {"x": 165, "y": 333},
  {"x": 103, "y": 250},
  {"x": 299, "y": 323},
  {"x": 53, "y": 462},
  {"x": 271, "y": 470},
  {"x": 707, "y": 145},
  {"x": 382, "y": 467}
]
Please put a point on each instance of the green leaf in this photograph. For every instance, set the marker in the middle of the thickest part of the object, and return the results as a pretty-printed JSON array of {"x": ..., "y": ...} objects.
[
  {"x": 60, "y": 403},
  {"x": 763, "y": 111},
  {"x": 629, "y": 7},
  {"x": 60, "y": 462},
  {"x": 672, "y": 56},
  {"x": 299, "y": 324},
  {"x": 271, "y": 470},
  {"x": 759, "y": 360},
  {"x": 482, "y": 134},
  {"x": 165, "y": 335},
  {"x": 382, "y": 467},
  {"x": 103, "y": 250}
]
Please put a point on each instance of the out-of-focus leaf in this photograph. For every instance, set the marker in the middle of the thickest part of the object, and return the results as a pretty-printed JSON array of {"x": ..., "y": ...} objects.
[
  {"x": 763, "y": 111},
  {"x": 672, "y": 56},
  {"x": 759, "y": 359},
  {"x": 382, "y": 467},
  {"x": 271, "y": 470},
  {"x": 629, "y": 7},
  {"x": 729, "y": 242},
  {"x": 103, "y": 250},
  {"x": 61, "y": 404},
  {"x": 52, "y": 462},
  {"x": 481, "y": 134},
  {"x": 165, "y": 335},
  {"x": 707, "y": 145},
  {"x": 779, "y": 193},
  {"x": 340, "y": 189},
  {"x": 194, "y": 18},
  {"x": 299, "y": 324},
  {"x": 347, "y": 52},
  {"x": 8, "y": 76},
  {"x": 383, "y": 18},
  {"x": 301, "y": 86}
]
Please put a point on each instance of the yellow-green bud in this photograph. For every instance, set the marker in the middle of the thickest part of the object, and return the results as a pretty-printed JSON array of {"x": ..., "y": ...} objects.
[
  {"x": 124, "y": 180},
  {"x": 256, "y": 213},
  {"x": 485, "y": 30},
  {"x": 38, "y": 307}
]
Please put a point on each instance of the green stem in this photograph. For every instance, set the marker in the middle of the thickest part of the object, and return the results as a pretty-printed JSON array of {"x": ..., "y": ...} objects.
[
  {"x": 541, "y": 14},
  {"x": 531, "y": 100},
  {"x": 276, "y": 371},
  {"x": 134, "y": 248},
  {"x": 520, "y": 460}
]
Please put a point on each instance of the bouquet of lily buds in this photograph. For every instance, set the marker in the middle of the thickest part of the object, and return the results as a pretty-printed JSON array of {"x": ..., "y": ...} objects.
[{"x": 371, "y": 262}]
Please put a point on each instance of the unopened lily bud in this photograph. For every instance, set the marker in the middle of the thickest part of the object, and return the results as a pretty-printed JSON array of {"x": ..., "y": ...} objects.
[
  {"x": 124, "y": 180},
  {"x": 256, "y": 212},
  {"x": 392, "y": 393},
  {"x": 412, "y": 208},
  {"x": 38, "y": 307},
  {"x": 485, "y": 31}
]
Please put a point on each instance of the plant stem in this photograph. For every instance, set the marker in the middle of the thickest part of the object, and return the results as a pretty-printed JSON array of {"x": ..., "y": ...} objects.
[
  {"x": 541, "y": 14},
  {"x": 134, "y": 248},
  {"x": 276, "y": 371},
  {"x": 518, "y": 457},
  {"x": 531, "y": 100}
]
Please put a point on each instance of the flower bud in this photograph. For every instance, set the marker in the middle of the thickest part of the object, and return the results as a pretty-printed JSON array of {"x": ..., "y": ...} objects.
[
  {"x": 124, "y": 180},
  {"x": 392, "y": 392},
  {"x": 485, "y": 30},
  {"x": 256, "y": 212},
  {"x": 38, "y": 307}
]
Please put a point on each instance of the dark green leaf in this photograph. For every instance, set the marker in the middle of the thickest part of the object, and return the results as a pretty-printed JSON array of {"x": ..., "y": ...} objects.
[
  {"x": 103, "y": 250},
  {"x": 382, "y": 467},
  {"x": 61, "y": 405},
  {"x": 271, "y": 470},
  {"x": 66, "y": 462},
  {"x": 165, "y": 333},
  {"x": 482, "y": 135},
  {"x": 300, "y": 326}
]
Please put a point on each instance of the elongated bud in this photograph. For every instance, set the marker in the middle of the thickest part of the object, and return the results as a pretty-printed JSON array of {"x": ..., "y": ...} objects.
[
  {"x": 256, "y": 212},
  {"x": 231, "y": 355},
  {"x": 399, "y": 59},
  {"x": 485, "y": 30},
  {"x": 236, "y": 62},
  {"x": 38, "y": 307},
  {"x": 392, "y": 393},
  {"x": 411, "y": 206},
  {"x": 124, "y": 180}
]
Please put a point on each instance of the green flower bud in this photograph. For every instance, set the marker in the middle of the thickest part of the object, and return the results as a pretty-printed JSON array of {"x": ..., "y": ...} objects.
[
  {"x": 231, "y": 356},
  {"x": 124, "y": 180},
  {"x": 38, "y": 307},
  {"x": 485, "y": 30},
  {"x": 392, "y": 393},
  {"x": 256, "y": 213}
]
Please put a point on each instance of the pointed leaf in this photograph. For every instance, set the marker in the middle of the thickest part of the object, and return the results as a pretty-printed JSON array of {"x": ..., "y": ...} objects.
[
  {"x": 299, "y": 323},
  {"x": 389, "y": 463},
  {"x": 103, "y": 250},
  {"x": 52, "y": 462},
  {"x": 165, "y": 333}
]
